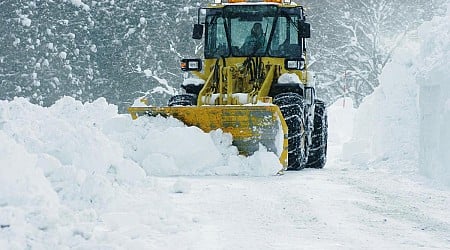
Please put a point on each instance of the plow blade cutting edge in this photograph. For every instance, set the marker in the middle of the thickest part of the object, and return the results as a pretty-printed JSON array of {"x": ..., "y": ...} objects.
[{"x": 249, "y": 125}]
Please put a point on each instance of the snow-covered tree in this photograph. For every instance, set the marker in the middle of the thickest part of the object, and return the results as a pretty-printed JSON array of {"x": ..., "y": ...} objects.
[
  {"x": 114, "y": 49},
  {"x": 355, "y": 39},
  {"x": 122, "y": 49}
]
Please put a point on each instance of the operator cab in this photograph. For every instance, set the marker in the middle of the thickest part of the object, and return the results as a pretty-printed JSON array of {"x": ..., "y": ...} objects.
[{"x": 253, "y": 30}]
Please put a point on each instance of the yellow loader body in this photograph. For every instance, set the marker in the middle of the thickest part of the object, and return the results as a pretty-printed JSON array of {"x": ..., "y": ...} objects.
[{"x": 240, "y": 76}]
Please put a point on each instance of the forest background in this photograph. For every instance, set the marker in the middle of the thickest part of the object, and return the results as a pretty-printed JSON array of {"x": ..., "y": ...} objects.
[{"x": 121, "y": 50}]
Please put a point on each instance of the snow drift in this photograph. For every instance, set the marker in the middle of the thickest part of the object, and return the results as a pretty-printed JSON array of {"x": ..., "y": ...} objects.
[{"x": 66, "y": 167}]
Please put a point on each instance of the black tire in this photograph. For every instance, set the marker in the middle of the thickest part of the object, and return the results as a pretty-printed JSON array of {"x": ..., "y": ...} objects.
[
  {"x": 292, "y": 108},
  {"x": 317, "y": 156},
  {"x": 183, "y": 100}
]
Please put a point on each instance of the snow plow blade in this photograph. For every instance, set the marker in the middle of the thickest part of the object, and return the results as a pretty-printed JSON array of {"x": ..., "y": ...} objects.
[{"x": 249, "y": 125}]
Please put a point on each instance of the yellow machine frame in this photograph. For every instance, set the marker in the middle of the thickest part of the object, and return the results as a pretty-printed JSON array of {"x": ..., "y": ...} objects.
[{"x": 250, "y": 121}]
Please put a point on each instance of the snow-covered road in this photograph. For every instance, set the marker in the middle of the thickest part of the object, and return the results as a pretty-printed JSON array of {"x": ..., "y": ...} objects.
[{"x": 333, "y": 208}]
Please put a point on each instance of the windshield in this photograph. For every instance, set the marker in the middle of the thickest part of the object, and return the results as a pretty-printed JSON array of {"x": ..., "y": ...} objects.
[{"x": 252, "y": 30}]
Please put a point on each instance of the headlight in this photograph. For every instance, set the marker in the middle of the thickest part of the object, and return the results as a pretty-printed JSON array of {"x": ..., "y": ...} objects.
[
  {"x": 191, "y": 64},
  {"x": 294, "y": 64}
]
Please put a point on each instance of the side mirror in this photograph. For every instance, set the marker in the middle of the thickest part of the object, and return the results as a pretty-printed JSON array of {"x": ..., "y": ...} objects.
[
  {"x": 197, "y": 32},
  {"x": 191, "y": 64},
  {"x": 304, "y": 29}
]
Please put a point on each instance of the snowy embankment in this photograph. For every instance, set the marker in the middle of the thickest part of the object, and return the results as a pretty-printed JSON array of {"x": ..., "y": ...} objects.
[
  {"x": 433, "y": 76},
  {"x": 404, "y": 125}
]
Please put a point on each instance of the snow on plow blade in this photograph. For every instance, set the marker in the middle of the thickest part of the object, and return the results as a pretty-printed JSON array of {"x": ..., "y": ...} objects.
[{"x": 249, "y": 125}]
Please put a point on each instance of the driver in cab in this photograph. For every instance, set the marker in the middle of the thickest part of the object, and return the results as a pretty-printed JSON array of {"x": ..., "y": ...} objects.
[{"x": 254, "y": 41}]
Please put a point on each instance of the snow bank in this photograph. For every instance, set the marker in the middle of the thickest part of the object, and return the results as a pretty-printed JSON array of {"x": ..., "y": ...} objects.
[
  {"x": 70, "y": 167},
  {"x": 405, "y": 122},
  {"x": 386, "y": 123},
  {"x": 433, "y": 77},
  {"x": 95, "y": 139}
]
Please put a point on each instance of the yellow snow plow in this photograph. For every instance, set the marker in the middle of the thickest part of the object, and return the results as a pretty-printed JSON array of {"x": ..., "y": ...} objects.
[
  {"x": 249, "y": 125},
  {"x": 254, "y": 82}
]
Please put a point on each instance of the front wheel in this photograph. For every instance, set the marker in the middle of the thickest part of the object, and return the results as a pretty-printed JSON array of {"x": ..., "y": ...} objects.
[{"x": 292, "y": 107}]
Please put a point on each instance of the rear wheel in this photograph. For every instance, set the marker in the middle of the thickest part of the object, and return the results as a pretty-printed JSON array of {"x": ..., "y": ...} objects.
[
  {"x": 317, "y": 156},
  {"x": 292, "y": 108},
  {"x": 183, "y": 100}
]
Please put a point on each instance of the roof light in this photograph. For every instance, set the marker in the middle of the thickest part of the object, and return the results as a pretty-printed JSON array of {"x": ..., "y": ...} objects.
[
  {"x": 217, "y": 1},
  {"x": 253, "y": 1}
]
